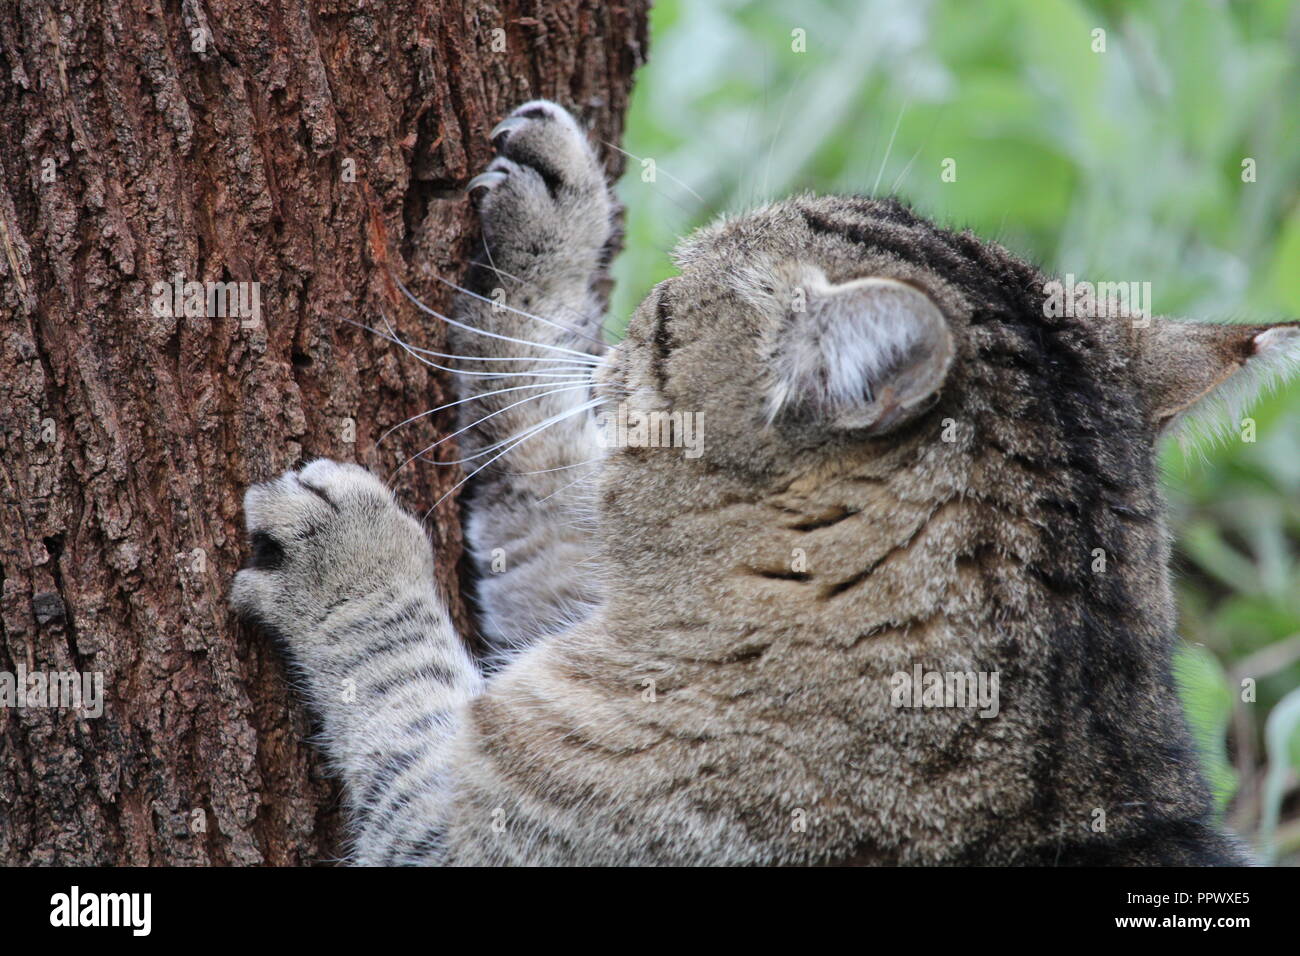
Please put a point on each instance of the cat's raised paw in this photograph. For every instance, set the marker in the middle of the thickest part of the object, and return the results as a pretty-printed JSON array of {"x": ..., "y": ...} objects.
[{"x": 545, "y": 189}]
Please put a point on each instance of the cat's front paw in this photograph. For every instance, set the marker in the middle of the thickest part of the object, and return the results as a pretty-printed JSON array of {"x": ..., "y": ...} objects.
[
  {"x": 545, "y": 194},
  {"x": 326, "y": 540}
]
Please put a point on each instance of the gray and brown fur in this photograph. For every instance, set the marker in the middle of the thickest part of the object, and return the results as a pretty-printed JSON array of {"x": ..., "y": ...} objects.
[{"x": 672, "y": 685}]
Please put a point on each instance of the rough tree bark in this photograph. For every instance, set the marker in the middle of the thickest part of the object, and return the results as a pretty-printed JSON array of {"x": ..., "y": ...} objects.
[{"x": 295, "y": 145}]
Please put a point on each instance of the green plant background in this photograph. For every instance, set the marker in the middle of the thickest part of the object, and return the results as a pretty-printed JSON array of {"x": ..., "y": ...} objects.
[{"x": 1125, "y": 164}]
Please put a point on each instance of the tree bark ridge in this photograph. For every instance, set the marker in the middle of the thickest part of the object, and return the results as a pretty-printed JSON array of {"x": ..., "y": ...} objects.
[{"x": 292, "y": 145}]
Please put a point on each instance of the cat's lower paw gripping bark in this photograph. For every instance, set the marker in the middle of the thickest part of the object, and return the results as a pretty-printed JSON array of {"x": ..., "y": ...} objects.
[
  {"x": 329, "y": 542},
  {"x": 345, "y": 578}
]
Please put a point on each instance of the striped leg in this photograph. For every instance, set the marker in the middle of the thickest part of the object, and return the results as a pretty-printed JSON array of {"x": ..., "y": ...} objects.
[
  {"x": 344, "y": 579},
  {"x": 547, "y": 214}
]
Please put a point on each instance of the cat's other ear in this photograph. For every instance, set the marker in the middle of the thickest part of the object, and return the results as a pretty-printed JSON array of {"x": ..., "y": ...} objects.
[
  {"x": 1207, "y": 373},
  {"x": 863, "y": 355}
]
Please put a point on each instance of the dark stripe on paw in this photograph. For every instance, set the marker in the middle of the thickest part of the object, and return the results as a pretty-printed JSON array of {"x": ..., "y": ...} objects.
[
  {"x": 386, "y": 774},
  {"x": 409, "y": 612},
  {"x": 423, "y": 724},
  {"x": 319, "y": 493},
  {"x": 430, "y": 842},
  {"x": 420, "y": 851},
  {"x": 385, "y": 816},
  {"x": 398, "y": 642},
  {"x": 430, "y": 671}
]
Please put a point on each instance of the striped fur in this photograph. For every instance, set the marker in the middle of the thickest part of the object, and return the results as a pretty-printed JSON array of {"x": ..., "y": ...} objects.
[{"x": 695, "y": 658}]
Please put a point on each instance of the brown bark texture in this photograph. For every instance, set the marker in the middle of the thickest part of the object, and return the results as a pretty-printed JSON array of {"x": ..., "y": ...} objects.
[{"x": 304, "y": 147}]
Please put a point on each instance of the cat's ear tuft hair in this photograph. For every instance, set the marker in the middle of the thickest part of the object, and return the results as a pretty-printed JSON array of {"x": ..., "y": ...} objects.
[
  {"x": 863, "y": 355},
  {"x": 1201, "y": 377}
]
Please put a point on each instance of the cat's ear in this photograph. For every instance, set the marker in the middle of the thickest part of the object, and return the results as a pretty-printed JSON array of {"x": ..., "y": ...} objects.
[
  {"x": 1208, "y": 373},
  {"x": 862, "y": 355}
]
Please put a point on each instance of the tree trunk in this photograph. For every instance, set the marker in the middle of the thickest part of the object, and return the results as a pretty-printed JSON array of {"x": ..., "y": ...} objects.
[{"x": 301, "y": 149}]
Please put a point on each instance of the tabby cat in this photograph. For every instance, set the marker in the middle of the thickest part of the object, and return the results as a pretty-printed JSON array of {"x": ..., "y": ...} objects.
[{"x": 911, "y": 478}]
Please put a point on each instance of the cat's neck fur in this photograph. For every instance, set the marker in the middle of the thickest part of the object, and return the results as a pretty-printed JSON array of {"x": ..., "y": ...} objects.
[{"x": 931, "y": 565}]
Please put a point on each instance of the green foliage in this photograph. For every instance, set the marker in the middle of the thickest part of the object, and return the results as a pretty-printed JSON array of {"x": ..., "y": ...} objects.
[
  {"x": 1125, "y": 164},
  {"x": 1282, "y": 735},
  {"x": 1208, "y": 697}
]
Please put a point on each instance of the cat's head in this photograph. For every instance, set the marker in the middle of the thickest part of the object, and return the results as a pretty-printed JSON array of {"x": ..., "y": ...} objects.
[{"x": 821, "y": 329}]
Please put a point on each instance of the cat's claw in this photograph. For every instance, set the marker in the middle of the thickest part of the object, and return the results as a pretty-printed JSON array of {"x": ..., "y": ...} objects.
[
  {"x": 487, "y": 180},
  {"x": 533, "y": 114}
]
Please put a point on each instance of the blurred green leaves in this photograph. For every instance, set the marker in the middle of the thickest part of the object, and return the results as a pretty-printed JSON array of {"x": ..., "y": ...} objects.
[
  {"x": 1208, "y": 696},
  {"x": 1282, "y": 736}
]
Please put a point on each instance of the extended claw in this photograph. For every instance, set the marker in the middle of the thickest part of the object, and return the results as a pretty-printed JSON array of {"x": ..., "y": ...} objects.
[
  {"x": 486, "y": 180},
  {"x": 503, "y": 130}
]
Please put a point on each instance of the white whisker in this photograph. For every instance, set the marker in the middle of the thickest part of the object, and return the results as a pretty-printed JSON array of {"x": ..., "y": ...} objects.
[
  {"x": 547, "y": 471},
  {"x": 906, "y": 169},
  {"x": 527, "y": 435},
  {"x": 520, "y": 280},
  {"x": 397, "y": 340},
  {"x": 462, "y": 401},
  {"x": 528, "y": 315},
  {"x": 888, "y": 149},
  {"x": 660, "y": 169},
  {"x": 585, "y": 477},
  {"x": 497, "y": 444},
  {"x": 459, "y": 431},
  {"x": 549, "y": 373},
  {"x": 928, "y": 136},
  {"x": 492, "y": 335}
]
